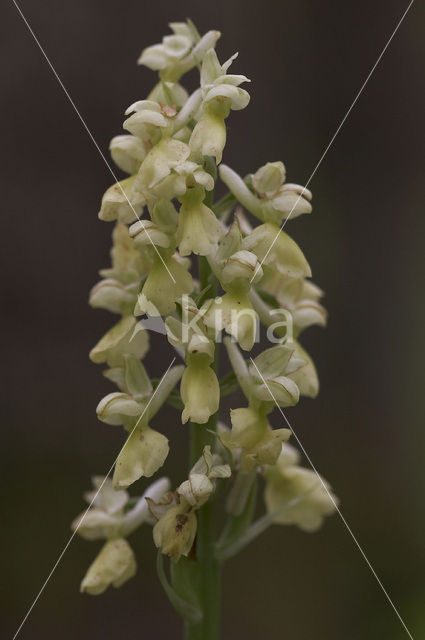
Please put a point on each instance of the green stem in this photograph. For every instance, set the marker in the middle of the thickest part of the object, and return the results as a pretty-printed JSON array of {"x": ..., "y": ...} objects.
[{"x": 209, "y": 567}]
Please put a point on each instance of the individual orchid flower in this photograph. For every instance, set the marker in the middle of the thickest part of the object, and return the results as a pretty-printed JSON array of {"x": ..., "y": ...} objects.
[
  {"x": 145, "y": 449},
  {"x": 200, "y": 392},
  {"x": 305, "y": 376},
  {"x": 150, "y": 120},
  {"x": 117, "y": 291},
  {"x": 199, "y": 230},
  {"x": 234, "y": 313},
  {"x": 199, "y": 389},
  {"x": 264, "y": 383},
  {"x": 298, "y": 295},
  {"x": 253, "y": 437},
  {"x": 175, "y": 531},
  {"x": 120, "y": 340},
  {"x": 122, "y": 202},
  {"x": 167, "y": 281},
  {"x": 168, "y": 173},
  {"x": 160, "y": 162},
  {"x": 221, "y": 94},
  {"x": 178, "y": 53},
  {"x": 109, "y": 518},
  {"x": 128, "y": 265},
  {"x": 272, "y": 200},
  {"x": 171, "y": 93},
  {"x": 201, "y": 482},
  {"x": 183, "y": 177},
  {"x": 236, "y": 269},
  {"x": 295, "y": 495},
  {"x": 114, "y": 565},
  {"x": 272, "y": 246}
]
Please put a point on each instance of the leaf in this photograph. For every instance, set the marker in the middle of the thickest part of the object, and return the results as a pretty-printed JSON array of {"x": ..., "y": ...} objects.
[
  {"x": 185, "y": 581},
  {"x": 187, "y": 610}
]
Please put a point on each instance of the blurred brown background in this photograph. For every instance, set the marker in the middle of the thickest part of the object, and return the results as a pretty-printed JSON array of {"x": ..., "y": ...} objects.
[{"x": 364, "y": 240}]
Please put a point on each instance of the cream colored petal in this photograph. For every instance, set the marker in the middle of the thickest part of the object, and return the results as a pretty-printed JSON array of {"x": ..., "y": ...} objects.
[
  {"x": 114, "y": 565},
  {"x": 143, "y": 453}
]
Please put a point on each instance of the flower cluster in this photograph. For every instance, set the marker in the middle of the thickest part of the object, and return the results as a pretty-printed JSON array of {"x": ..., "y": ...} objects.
[{"x": 166, "y": 222}]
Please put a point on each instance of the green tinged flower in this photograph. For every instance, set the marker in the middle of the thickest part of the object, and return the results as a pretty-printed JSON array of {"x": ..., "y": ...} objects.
[
  {"x": 201, "y": 482},
  {"x": 114, "y": 565},
  {"x": 298, "y": 295},
  {"x": 199, "y": 230},
  {"x": 175, "y": 532},
  {"x": 117, "y": 291},
  {"x": 221, "y": 94},
  {"x": 128, "y": 152},
  {"x": 255, "y": 442},
  {"x": 199, "y": 389},
  {"x": 167, "y": 281},
  {"x": 109, "y": 517},
  {"x": 122, "y": 202},
  {"x": 234, "y": 312},
  {"x": 121, "y": 339},
  {"x": 145, "y": 449},
  {"x": 271, "y": 199},
  {"x": 295, "y": 495},
  {"x": 200, "y": 392},
  {"x": 274, "y": 247},
  {"x": 178, "y": 53}
]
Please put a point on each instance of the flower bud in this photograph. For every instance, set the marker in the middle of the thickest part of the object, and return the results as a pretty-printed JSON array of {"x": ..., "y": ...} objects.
[
  {"x": 268, "y": 179},
  {"x": 241, "y": 269},
  {"x": 169, "y": 93},
  {"x": 114, "y": 406},
  {"x": 197, "y": 489},
  {"x": 281, "y": 390},
  {"x": 128, "y": 152},
  {"x": 146, "y": 233},
  {"x": 112, "y": 295}
]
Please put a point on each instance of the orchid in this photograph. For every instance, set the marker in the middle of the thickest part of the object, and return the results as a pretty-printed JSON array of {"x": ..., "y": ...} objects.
[{"x": 199, "y": 272}]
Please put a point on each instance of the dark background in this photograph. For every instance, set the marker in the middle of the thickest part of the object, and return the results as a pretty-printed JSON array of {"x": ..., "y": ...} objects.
[{"x": 364, "y": 240}]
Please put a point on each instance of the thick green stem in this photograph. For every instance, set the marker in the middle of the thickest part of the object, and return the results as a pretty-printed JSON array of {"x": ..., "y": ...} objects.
[{"x": 209, "y": 567}]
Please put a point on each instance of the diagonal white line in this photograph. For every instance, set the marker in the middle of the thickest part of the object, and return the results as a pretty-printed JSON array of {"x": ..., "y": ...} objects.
[
  {"x": 88, "y": 508},
  {"x": 90, "y": 133},
  {"x": 335, "y": 505},
  {"x": 369, "y": 75}
]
